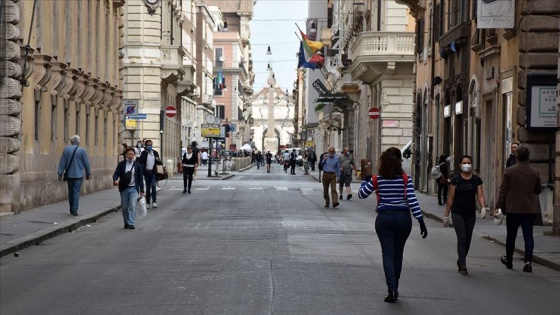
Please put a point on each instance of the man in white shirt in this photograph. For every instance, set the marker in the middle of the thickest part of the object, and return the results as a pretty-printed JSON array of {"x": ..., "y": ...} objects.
[{"x": 149, "y": 158}]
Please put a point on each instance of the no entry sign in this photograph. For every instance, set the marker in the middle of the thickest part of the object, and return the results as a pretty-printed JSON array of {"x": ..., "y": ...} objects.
[
  {"x": 170, "y": 111},
  {"x": 373, "y": 113}
]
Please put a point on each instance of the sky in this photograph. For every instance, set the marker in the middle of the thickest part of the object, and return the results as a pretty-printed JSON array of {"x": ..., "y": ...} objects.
[{"x": 274, "y": 25}]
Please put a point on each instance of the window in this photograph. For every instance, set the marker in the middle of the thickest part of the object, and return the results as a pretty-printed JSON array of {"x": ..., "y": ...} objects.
[
  {"x": 37, "y": 117},
  {"x": 77, "y": 118},
  {"x": 96, "y": 135},
  {"x": 420, "y": 36},
  {"x": 105, "y": 129},
  {"x": 220, "y": 111},
  {"x": 53, "y": 120},
  {"x": 218, "y": 57},
  {"x": 66, "y": 122},
  {"x": 87, "y": 125}
]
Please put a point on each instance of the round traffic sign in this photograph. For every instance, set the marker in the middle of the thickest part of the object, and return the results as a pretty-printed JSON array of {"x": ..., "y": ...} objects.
[
  {"x": 373, "y": 113},
  {"x": 170, "y": 111}
]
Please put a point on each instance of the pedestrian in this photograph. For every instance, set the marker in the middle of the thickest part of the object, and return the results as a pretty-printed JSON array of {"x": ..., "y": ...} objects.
[
  {"x": 305, "y": 161},
  {"x": 258, "y": 159},
  {"x": 149, "y": 158},
  {"x": 204, "y": 157},
  {"x": 518, "y": 199},
  {"x": 268, "y": 161},
  {"x": 312, "y": 160},
  {"x": 347, "y": 165},
  {"x": 138, "y": 150},
  {"x": 511, "y": 159},
  {"x": 461, "y": 203},
  {"x": 190, "y": 163},
  {"x": 331, "y": 176},
  {"x": 122, "y": 154},
  {"x": 128, "y": 177},
  {"x": 293, "y": 158},
  {"x": 286, "y": 160},
  {"x": 196, "y": 151},
  {"x": 321, "y": 162},
  {"x": 393, "y": 223},
  {"x": 442, "y": 182},
  {"x": 73, "y": 165}
]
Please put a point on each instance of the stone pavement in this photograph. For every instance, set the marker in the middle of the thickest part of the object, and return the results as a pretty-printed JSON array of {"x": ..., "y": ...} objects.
[{"x": 36, "y": 225}]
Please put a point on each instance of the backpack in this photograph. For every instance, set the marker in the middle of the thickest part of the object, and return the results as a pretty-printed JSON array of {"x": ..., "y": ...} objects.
[
  {"x": 375, "y": 186},
  {"x": 436, "y": 172},
  {"x": 321, "y": 161}
]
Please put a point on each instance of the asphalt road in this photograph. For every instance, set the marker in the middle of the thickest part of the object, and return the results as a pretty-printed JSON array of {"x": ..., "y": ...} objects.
[{"x": 261, "y": 243}]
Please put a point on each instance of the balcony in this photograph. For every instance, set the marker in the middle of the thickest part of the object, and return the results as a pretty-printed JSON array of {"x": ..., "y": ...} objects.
[
  {"x": 378, "y": 53},
  {"x": 172, "y": 68}
]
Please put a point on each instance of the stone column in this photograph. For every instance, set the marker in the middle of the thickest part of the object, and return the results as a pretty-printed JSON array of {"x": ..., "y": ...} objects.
[
  {"x": 10, "y": 105},
  {"x": 270, "y": 142}
]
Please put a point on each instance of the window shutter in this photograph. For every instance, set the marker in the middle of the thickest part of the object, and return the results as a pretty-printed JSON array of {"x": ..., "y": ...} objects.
[{"x": 420, "y": 36}]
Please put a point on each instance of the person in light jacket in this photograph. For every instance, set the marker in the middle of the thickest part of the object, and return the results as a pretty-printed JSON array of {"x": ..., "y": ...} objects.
[
  {"x": 128, "y": 176},
  {"x": 518, "y": 198},
  {"x": 75, "y": 163}
]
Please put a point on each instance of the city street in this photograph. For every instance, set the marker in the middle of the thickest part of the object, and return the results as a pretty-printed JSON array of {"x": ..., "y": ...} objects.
[{"x": 261, "y": 243}]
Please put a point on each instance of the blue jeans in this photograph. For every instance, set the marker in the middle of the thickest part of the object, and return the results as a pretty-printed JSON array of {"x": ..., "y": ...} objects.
[
  {"x": 129, "y": 198},
  {"x": 74, "y": 186},
  {"x": 513, "y": 220},
  {"x": 150, "y": 187},
  {"x": 393, "y": 228},
  {"x": 464, "y": 229}
]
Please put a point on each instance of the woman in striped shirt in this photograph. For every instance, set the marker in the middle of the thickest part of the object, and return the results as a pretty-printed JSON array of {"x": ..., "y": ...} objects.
[{"x": 395, "y": 201}]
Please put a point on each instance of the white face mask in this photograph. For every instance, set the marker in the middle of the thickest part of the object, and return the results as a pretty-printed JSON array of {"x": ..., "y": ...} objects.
[{"x": 466, "y": 167}]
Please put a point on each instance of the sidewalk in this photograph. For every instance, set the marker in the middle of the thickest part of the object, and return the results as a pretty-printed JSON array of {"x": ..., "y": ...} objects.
[
  {"x": 547, "y": 247},
  {"x": 36, "y": 225}
]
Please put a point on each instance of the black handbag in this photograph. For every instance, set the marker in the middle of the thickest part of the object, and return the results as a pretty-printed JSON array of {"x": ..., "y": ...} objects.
[{"x": 65, "y": 174}]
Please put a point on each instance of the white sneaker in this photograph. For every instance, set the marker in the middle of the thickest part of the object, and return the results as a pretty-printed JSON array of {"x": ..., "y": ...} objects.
[
  {"x": 154, "y": 205},
  {"x": 148, "y": 205}
]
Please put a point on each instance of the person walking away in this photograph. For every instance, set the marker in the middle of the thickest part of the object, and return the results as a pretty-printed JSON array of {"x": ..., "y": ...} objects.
[
  {"x": 293, "y": 158},
  {"x": 331, "y": 176},
  {"x": 305, "y": 161},
  {"x": 518, "y": 198},
  {"x": 511, "y": 159},
  {"x": 128, "y": 177},
  {"x": 190, "y": 163},
  {"x": 321, "y": 162},
  {"x": 149, "y": 158},
  {"x": 138, "y": 150},
  {"x": 258, "y": 159},
  {"x": 393, "y": 223},
  {"x": 347, "y": 165},
  {"x": 312, "y": 160},
  {"x": 286, "y": 159},
  {"x": 196, "y": 151},
  {"x": 442, "y": 182},
  {"x": 204, "y": 157},
  {"x": 268, "y": 161},
  {"x": 461, "y": 203},
  {"x": 73, "y": 165}
]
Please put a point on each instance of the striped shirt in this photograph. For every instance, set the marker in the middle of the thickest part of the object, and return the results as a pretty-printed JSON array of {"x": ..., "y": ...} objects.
[{"x": 391, "y": 195}]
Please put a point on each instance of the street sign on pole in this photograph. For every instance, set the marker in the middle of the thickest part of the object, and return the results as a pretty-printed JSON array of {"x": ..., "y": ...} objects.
[
  {"x": 136, "y": 117},
  {"x": 130, "y": 107},
  {"x": 373, "y": 113},
  {"x": 170, "y": 111}
]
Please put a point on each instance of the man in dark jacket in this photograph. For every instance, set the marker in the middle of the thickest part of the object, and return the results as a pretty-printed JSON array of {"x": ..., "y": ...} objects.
[
  {"x": 511, "y": 159},
  {"x": 149, "y": 158},
  {"x": 128, "y": 176},
  {"x": 312, "y": 160},
  {"x": 521, "y": 185}
]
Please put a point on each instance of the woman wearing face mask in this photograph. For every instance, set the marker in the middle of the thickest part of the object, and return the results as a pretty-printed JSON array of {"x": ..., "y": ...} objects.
[
  {"x": 138, "y": 150},
  {"x": 461, "y": 203}
]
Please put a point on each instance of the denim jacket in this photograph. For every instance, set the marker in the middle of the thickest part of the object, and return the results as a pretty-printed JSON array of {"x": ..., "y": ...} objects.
[{"x": 78, "y": 166}]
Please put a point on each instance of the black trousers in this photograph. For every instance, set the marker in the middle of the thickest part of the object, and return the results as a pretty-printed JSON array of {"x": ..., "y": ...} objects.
[
  {"x": 188, "y": 173},
  {"x": 441, "y": 190}
]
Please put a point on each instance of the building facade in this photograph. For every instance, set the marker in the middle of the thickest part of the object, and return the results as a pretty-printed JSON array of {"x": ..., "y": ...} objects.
[
  {"x": 369, "y": 64},
  {"x": 477, "y": 89},
  {"x": 155, "y": 73},
  {"x": 61, "y": 77}
]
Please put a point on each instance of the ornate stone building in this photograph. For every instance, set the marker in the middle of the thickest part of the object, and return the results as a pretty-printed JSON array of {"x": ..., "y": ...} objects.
[
  {"x": 475, "y": 89},
  {"x": 61, "y": 77}
]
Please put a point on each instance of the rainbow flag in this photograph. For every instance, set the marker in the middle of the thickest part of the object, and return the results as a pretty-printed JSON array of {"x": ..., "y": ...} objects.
[{"x": 310, "y": 47}]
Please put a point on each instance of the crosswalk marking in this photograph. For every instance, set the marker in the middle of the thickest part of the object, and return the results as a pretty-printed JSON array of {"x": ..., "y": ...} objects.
[
  {"x": 281, "y": 188},
  {"x": 228, "y": 188},
  {"x": 202, "y": 188}
]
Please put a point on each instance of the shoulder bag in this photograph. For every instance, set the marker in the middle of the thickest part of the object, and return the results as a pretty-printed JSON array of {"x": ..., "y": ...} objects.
[{"x": 65, "y": 174}]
